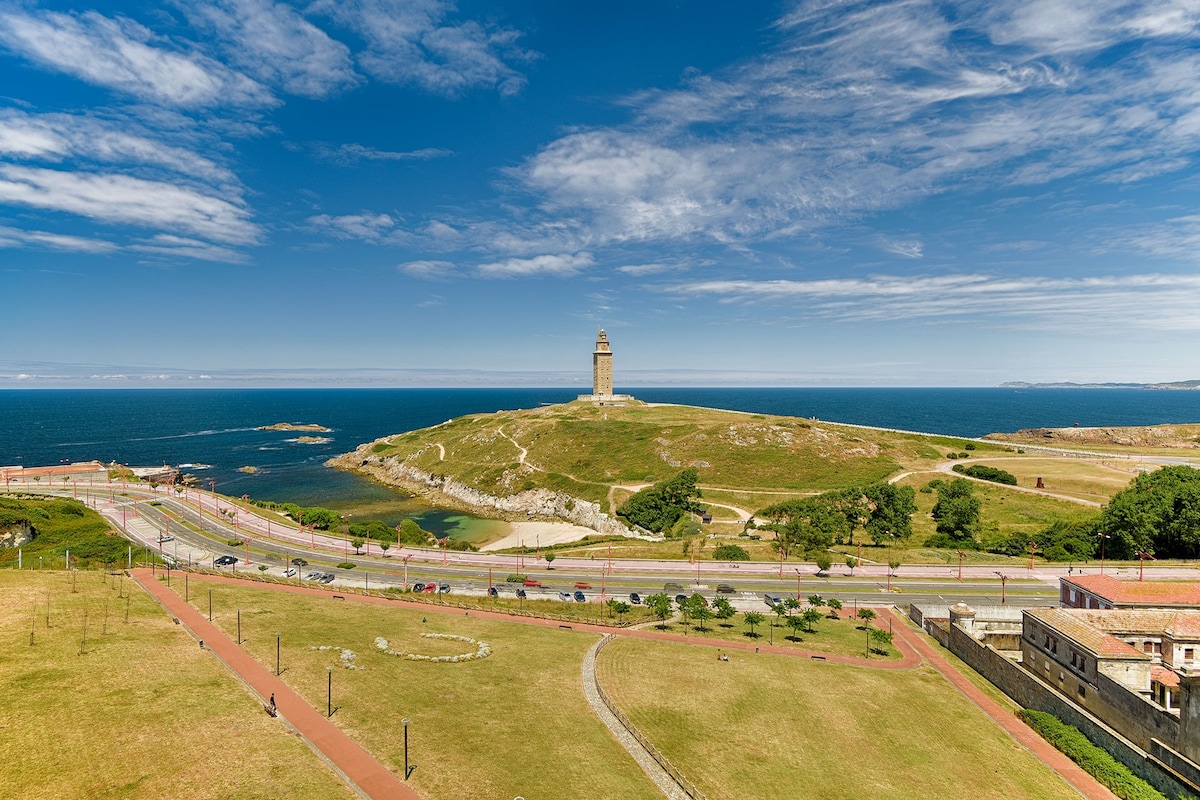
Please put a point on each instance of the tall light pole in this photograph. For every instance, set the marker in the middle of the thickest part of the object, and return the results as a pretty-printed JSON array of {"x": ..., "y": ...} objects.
[
  {"x": 329, "y": 695},
  {"x": 277, "y": 635},
  {"x": 407, "y": 769},
  {"x": 1103, "y": 537},
  {"x": 797, "y": 585},
  {"x": 960, "y": 558},
  {"x": 1142, "y": 556},
  {"x": 1003, "y": 585},
  {"x": 1032, "y": 550}
]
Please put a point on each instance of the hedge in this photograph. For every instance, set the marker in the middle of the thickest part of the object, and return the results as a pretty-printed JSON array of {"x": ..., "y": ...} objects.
[{"x": 1094, "y": 760}]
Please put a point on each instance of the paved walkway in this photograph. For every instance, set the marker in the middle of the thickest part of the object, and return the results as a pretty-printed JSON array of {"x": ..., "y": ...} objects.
[
  {"x": 591, "y": 691},
  {"x": 355, "y": 765},
  {"x": 1082, "y": 782}
]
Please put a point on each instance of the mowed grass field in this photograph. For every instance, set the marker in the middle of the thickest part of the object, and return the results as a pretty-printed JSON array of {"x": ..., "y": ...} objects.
[
  {"x": 144, "y": 713},
  {"x": 775, "y": 727},
  {"x": 842, "y": 636},
  {"x": 513, "y": 724}
]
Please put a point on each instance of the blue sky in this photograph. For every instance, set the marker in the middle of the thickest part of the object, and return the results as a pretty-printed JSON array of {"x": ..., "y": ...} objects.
[{"x": 416, "y": 192}]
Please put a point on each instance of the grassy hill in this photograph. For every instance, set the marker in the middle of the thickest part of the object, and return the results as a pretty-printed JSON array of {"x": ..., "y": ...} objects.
[{"x": 601, "y": 453}]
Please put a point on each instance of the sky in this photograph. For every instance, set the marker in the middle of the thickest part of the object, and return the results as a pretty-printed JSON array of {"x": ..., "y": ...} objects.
[{"x": 425, "y": 193}]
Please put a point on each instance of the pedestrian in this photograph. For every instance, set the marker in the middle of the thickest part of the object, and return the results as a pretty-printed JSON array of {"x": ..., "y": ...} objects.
[{"x": 272, "y": 701}]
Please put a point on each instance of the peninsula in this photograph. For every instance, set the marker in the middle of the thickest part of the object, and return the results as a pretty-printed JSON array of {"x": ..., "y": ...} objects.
[{"x": 295, "y": 426}]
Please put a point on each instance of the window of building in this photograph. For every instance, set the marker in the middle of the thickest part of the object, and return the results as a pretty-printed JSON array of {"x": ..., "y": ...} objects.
[
  {"x": 1158, "y": 648},
  {"x": 1147, "y": 647},
  {"x": 1082, "y": 690},
  {"x": 1189, "y": 653}
]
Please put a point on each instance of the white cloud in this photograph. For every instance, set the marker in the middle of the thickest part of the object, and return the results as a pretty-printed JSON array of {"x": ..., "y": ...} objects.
[
  {"x": 121, "y": 54},
  {"x": 864, "y": 106},
  {"x": 123, "y": 199},
  {"x": 275, "y": 44},
  {"x": 354, "y": 152},
  {"x": 561, "y": 265},
  {"x": 181, "y": 246},
  {"x": 56, "y": 137},
  {"x": 15, "y": 237},
  {"x": 1160, "y": 302},
  {"x": 367, "y": 226},
  {"x": 416, "y": 42},
  {"x": 431, "y": 270}
]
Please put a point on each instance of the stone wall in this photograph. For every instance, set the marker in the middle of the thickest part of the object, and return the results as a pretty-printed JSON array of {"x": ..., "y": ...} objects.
[{"x": 1029, "y": 692}]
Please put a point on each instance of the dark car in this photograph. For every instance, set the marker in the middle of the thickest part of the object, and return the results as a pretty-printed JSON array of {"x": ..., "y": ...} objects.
[
  {"x": 327, "y": 577},
  {"x": 299, "y": 562},
  {"x": 225, "y": 561},
  {"x": 418, "y": 587},
  {"x": 493, "y": 591},
  {"x": 635, "y": 598},
  {"x": 671, "y": 587},
  {"x": 313, "y": 576},
  {"x": 681, "y": 599},
  {"x": 521, "y": 593},
  {"x": 725, "y": 588},
  {"x": 444, "y": 588},
  {"x": 579, "y": 598}
]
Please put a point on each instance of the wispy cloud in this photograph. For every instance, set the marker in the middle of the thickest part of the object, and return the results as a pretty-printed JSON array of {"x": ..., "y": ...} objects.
[
  {"x": 272, "y": 42},
  {"x": 558, "y": 265},
  {"x": 1161, "y": 302},
  {"x": 418, "y": 42},
  {"x": 354, "y": 152},
  {"x": 367, "y": 226},
  {"x": 183, "y": 247},
  {"x": 428, "y": 269},
  {"x": 16, "y": 237},
  {"x": 124, "y": 199},
  {"x": 127, "y": 57}
]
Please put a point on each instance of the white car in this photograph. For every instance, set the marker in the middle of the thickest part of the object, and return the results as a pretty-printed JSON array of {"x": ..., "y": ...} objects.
[
  {"x": 289, "y": 573},
  {"x": 166, "y": 538}
]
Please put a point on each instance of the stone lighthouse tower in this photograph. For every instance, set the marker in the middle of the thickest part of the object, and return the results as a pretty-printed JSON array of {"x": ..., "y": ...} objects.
[{"x": 602, "y": 367}]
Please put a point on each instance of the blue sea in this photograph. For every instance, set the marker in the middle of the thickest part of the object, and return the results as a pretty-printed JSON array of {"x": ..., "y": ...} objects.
[{"x": 217, "y": 428}]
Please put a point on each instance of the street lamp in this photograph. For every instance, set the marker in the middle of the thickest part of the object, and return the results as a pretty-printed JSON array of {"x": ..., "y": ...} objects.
[
  {"x": 407, "y": 769},
  {"x": 1003, "y": 584},
  {"x": 329, "y": 694},
  {"x": 1103, "y": 537},
  {"x": 1032, "y": 550},
  {"x": 797, "y": 585},
  {"x": 277, "y": 635}
]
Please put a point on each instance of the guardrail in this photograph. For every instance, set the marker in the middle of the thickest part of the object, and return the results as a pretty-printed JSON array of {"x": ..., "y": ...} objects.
[{"x": 680, "y": 779}]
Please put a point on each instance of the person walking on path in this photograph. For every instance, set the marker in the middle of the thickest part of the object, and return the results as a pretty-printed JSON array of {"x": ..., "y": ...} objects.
[{"x": 273, "y": 706}]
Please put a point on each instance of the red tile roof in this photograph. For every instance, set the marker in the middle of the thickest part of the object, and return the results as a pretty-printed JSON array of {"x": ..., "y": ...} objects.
[
  {"x": 1073, "y": 625},
  {"x": 1184, "y": 625},
  {"x": 1164, "y": 676},
  {"x": 1138, "y": 593}
]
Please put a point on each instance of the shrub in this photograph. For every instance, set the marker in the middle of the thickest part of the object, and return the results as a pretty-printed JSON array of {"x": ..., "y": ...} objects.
[
  {"x": 730, "y": 552},
  {"x": 235, "y": 543},
  {"x": 345, "y": 565},
  {"x": 516, "y": 578},
  {"x": 1094, "y": 760},
  {"x": 969, "y": 446},
  {"x": 986, "y": 473}
]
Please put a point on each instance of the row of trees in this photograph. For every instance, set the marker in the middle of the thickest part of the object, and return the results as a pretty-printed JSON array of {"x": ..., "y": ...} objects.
[
  {"x": 660, "y": 507},
  {"x": 812, "y": 524}
]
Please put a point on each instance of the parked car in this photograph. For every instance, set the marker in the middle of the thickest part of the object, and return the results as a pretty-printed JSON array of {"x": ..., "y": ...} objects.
[
  {"x": 635, "y": 598},
  {"x": 671, "y": 587},
  {"x": 564, "y": 596},
  {"x": 299, "y": 562},
  {"x": 430, "y": 588},
  {"x": 289, "y": 573},
  {"x": 532, "y": 583},
  {"x": 418, "y": 587},
  {"x": 328, "y": 577},
  {"x": 225, "y": 561},
  {"x": 493, "y": 591},
  {"x": 521, "y": 593},
  {"x": 579, "y": 597},
  {"x": 771, "y": 600},
  {"x": 725, "y": 588},
  {"x": 313, "y": 576},
  {"x": 681, "y": 599},
  {"x": 444, "y": 588}
]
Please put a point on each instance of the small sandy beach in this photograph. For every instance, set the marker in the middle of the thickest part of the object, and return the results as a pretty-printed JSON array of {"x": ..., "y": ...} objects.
[{"x": 532, "y": 533}]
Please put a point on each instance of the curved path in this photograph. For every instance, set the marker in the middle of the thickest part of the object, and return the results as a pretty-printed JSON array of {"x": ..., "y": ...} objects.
[
  {"x": 948, "y": 468},
  {"x": 349, "y": 760}
]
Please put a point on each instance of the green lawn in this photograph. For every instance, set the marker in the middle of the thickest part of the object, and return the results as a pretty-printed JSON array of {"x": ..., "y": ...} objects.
[
  {"x": 767, "y": 727},
  {"x": 835, "y": 636},
  {"x": 515, "y": 723},
  {"x": 144, "y": 713}
]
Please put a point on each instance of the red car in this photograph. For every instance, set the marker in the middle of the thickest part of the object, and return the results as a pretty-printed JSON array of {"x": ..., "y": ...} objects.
[
  {"x": 430, "y": 588},
  {"x": 532, "y": 582}
]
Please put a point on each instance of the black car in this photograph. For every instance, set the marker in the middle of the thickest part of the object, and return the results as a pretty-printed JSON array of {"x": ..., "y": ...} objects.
[
  {"x": 635, "y": 598},
  {"x": 579, "y": 598},
  {"x": 681, "y": 599},
  {"x": 225, "y": 561},
  {"x": 328, "y": 577},
  {"x": 521, "y": 593},
  {"x": 418, "y": 587},
  {"x": 671, "y": 587},
  {"x": 299, "y": 562},
  {"x": 493, "y": 591},
  {"x": 724, "y": 588}
]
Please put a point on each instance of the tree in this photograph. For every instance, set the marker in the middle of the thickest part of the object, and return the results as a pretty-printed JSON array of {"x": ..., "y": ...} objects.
[
  {"x": 823, "y": 562},
  {"x": 835, "y": 606},
  {"x": 791, "y": 603},
  {"x": 657, "y": 508},
  {"x": 816, "y": 601},
  {"x": 730, "y": 552},
  {"x": 753, "y": 618},
  {"x": 619, "y": 608},
  {"x": 851, "y": 562},
  {"x": 699, "y": 610},
  {"x": 957, "y": 510},
  {"x": 357, "y": 544},
  {"x": 383, "y": 545},
  {"x": 660, "y": 605},
  {"x": 811, "y": 617},
  {"x": 549, "y": 560},
  {"x": 866, "y": 615},
  {"x": 893, "y": 564},
  {"x": 882, "y": 638},
  {"x": 723, "y": 609},
  {"x": 1159, "y": 512},
  {"x": 795, "y": 623},
  {"x": 891, "y": 510}
]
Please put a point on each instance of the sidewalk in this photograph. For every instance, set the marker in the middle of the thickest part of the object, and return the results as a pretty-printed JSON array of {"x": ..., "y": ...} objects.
[
  {"x": 1067, "y": 769},
  {"x": 361, "y": 772}
]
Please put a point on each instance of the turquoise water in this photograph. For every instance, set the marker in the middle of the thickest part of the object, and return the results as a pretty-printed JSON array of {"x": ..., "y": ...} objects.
[{"x": 217, "y": 427}]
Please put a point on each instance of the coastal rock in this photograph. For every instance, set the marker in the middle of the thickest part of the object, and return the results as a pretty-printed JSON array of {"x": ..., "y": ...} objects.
[
  {"x": 1173, "y": 436},
  {"x": 17, "y": 534},
  {"x": 295, "y": 426},
  {"x": 529, "y": 503}
]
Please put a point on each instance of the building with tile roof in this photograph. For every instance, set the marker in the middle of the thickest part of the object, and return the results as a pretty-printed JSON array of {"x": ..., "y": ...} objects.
[{"x": 1106, "y": 591}]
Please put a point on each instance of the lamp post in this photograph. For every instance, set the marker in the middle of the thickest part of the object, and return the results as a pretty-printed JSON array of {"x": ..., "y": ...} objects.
[
  {"x": 1003, "y": 585},
  {"x": 329, "y": 694},
  {"x": 797, "y": 585},
  {"x": 407, "y": 769},
  {"x": 1032, "y": 550},
  {"x": 1142, "y": 556},
  {"x": 277, "y": 635},
  {"x": 960, "y": 558},
  {"x": 1102, "y": 536}
]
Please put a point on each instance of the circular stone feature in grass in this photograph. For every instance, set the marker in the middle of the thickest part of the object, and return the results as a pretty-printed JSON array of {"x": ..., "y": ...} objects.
[{"x": 482, "y": 649}]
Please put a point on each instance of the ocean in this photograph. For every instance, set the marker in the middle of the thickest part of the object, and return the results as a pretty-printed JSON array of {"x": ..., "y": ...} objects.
[{"x": 217, "y": 428}]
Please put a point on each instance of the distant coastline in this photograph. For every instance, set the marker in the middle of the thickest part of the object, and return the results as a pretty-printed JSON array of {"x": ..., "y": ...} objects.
[{"x": 1170, "y": 386}]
